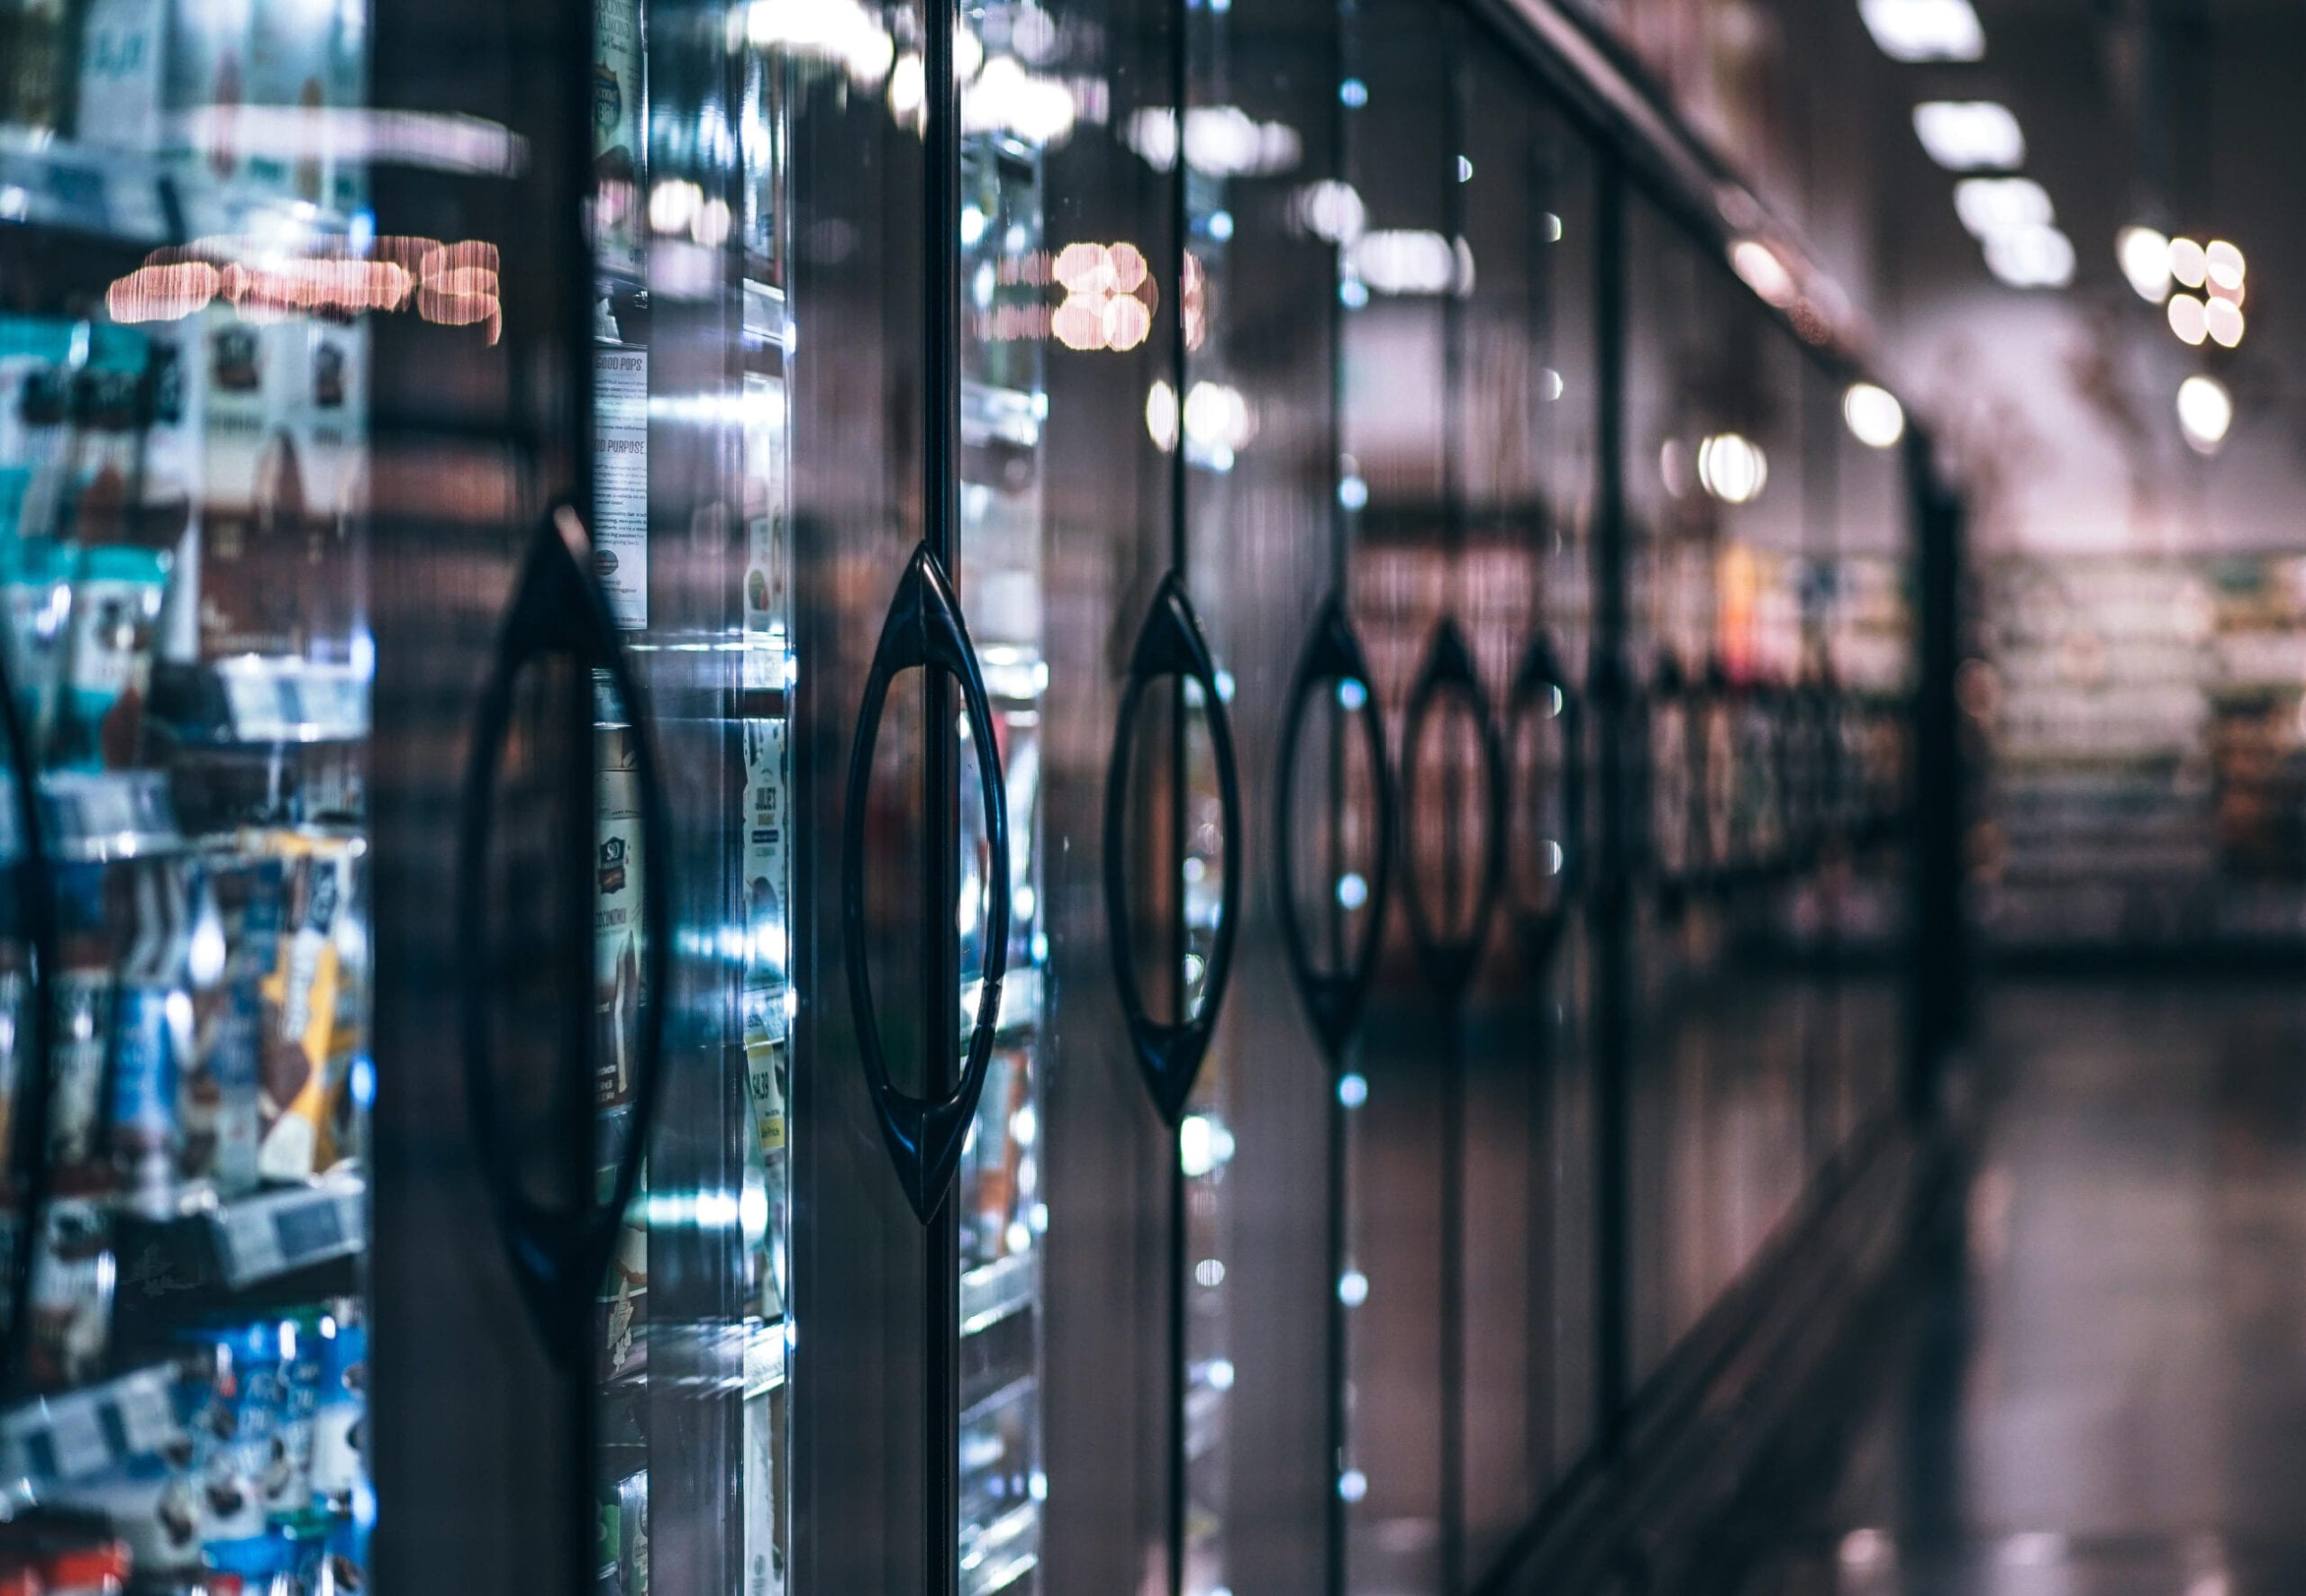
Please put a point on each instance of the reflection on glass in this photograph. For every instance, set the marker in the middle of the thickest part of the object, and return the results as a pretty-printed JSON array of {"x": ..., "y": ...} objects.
[
  {"x": 182, "y": 490},
  {"x": 1009, "y": 113}
]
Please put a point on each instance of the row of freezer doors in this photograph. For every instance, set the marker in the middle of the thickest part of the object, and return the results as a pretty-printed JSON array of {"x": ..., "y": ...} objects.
[{"x": 1087, "y": 797}]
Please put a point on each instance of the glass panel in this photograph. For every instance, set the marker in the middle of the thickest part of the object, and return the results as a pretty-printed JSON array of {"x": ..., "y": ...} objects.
[
  {"x": 1004, "y": 270},
  {"x": 1395, "y": 474},
  {"x": 1529, "y": 386},
  {"x": 695, "y": 341},
  {"x": 183, "y": 487}
]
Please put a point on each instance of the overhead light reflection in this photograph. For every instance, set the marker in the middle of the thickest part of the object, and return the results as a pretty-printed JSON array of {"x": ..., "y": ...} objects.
[
  {"x": 2222, "y": 319},
  {"x": 2223, "y": 263},
  {"x": 1875, "y": 418},
  {"x": 1759, "y": 268},
  {"x": 2205, "y": 414},
  {"x": 1330, "y": 210},
  {"x": 1732, "y": 469},
  {"x": 1404, "y": 261},
  {"x": 1970, "y": 135},
  {"x": 2189, "y": 319},
  {"x": 1924, "y": 30},
  {"x": 2031, "y": 257},
  {"x": 1989, "y": 206},
  {"x": 2145, "y": 257},
  {"x": 2189, "y": 263}
]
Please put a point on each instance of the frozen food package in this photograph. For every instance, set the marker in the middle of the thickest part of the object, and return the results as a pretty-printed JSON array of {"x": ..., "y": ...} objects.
[
  {"x": 151, "y": 1038},
  {"x": 339, "y": 1417},
  {"x": 117, "y": 594},
  {"x": 124, "y": 64},
  {"x": 36, "y": 587},
  {"x": 235, "y": 946},
  {"x": 81, "y": 1024},
  {"x": 618, "y": 146},
  {"x": 301, "y": 1058},
  {"x": 204, "y": 86},
  {"x": 238, "y": 1408},
  {"x": 71, "y": 1294},
  {"x": 617, "y": 928},
  {"x": 632, "y": 1521},
  {"x": 625, "y": 1291},
  {"x": 154, "y": 1507},
  {"x": 36, "y": 66}
]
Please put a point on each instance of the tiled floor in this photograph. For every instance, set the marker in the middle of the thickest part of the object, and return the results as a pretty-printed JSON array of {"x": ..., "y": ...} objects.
[{"x": 2106, "y": 1396}]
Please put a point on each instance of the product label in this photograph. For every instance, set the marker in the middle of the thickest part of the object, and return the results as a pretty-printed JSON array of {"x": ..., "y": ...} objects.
[
  {"x": 121, "y": 68},
  {"x": 83, "y": 1024},
  {"x": 617, "y": 928},
  {"x": 620, "y": 482},
  {"x": 617, "y": 103}
]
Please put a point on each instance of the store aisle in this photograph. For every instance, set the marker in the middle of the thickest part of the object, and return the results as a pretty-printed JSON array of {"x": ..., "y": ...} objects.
[{"x": 2107, "y": 1396}]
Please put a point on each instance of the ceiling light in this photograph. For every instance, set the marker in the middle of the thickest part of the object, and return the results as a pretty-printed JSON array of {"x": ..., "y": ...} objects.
[
  {"x": 1760, "y": 269},
  {"x": 2031, "y": 257},
  {"x": 1924, "y": 30},
  {"x": 1992, "y": 205},
  {"x": 1875, "y": 417},
  {"x": 2188, "y": 263},
  {"x": 2188, "y": 319},
  {"x": 1732, "y": 469},
  {"x": 2223, "y": 263},
  {"x": 2145, "y": 257},
  {"x": 2205, "y": 413},
  {"x": 1970, "y": 135},
  {"x": 2222, "y": 318}
]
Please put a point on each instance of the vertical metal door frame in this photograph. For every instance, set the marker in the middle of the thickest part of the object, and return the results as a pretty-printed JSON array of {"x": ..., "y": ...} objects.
[
  {"x": 940, "y": 465},
  {"x": 468, "y": 1403}
]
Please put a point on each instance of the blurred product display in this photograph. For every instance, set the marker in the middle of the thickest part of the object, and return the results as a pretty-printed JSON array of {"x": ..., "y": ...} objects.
[{"x": 971, "y": 798}]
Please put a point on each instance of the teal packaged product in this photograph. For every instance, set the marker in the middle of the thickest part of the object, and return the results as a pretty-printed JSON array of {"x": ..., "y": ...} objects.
[
  {"x": 36, "y": 590},
  {"x": 116, "y": 595}
]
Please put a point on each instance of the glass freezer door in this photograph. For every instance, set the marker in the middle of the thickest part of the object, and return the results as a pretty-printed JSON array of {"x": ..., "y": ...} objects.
[{"x": 186, "y": 978}]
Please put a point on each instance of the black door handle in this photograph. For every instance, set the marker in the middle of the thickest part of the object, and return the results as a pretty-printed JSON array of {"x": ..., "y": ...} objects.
[
  {"x": 924, "y": 631},
  {"x": 1170, "y": 1053},
  {"x": 558, "y": 1253},
  {"x": 1333, "y": 999},
  {"x": 1449, "y": 962},
  {"x": 1542, "y": 687},
  {"x": 34, "y": 1084}
]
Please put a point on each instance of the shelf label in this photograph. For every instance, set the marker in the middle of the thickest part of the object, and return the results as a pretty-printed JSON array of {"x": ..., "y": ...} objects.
[{"x": 620, "y": 482}]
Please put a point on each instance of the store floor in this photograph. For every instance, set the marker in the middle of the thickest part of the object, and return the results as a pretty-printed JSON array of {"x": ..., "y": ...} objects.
[{"x": 2104, "y": 1392}]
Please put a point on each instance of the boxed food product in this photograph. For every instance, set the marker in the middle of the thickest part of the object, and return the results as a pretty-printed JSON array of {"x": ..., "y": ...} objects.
[
  {"x": 71, "y": 1293},
  {"x": 236, "y": 945},
  {"x": 116, "y": 595},
  {"x": 618, "y": 932},
  {"x": 306, "y": 1048}
]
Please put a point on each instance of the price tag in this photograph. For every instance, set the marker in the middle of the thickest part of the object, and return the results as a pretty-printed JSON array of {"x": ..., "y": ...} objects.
[
  {"x": 148, "y": 1421},
  {"x": 78, "y": 1435},
  {"x": 248, "y": 1243}
]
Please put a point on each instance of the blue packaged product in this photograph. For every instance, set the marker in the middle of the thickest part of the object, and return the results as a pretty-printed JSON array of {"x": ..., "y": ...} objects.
[
  {"x": 149, "y": 1039},
  {"x": 287, "y": 1481},
  {"x": 235, "y": 1424},
  {"x": 339, "y": 1417}
]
